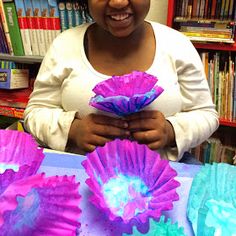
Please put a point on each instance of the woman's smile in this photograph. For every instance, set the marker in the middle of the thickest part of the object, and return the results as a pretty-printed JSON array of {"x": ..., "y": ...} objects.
[{"x": 119, "y": 20}]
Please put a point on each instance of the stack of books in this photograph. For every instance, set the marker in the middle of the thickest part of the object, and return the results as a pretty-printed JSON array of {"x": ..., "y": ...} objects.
[
  {"x": 206, "y": 20},
  {"x": 207, "y": 30}
]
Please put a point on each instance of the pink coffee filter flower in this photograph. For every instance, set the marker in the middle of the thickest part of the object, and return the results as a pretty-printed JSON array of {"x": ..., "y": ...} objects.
[
  {"x": 126, "y": 94},
  {"x": 130, "y": 182},
  {"x": 40, "y": 206},
  {"x": 19, "y": 156}
]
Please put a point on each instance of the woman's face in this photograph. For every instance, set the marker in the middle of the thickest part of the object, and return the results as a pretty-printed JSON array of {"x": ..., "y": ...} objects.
[{"x": 119, "y": 17}]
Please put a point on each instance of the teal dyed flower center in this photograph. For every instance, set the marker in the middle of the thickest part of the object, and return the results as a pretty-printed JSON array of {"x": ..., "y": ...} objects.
[{"x": 126, "y": 196}]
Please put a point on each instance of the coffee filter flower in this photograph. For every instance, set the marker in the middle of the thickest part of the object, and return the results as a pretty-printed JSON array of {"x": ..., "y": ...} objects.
[
  {"x": 212, "y": 200},
  {"x": 19, "y": 156},
  {"x": 161, "y": 228},
  {"x": 130, "y": 182},
  {"x": 126, "y": 94},
  {"x": 40, "y": 206}
]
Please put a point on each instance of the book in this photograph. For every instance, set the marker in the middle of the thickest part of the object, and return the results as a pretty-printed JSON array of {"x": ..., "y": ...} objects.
[
  {"x": 5, "y": 28},
  {"x": 77, "y": 16},
  {"x": 24, "y": 30},
  {"x": 32, "y": 27},
  {"x": 63, "y": 15},
  {"x": 14, "y": 29},
  {"x": 231, "y": 7},
  {"x": 39, "y": 27},
  {"x": 69, "y": 10},
  {"x": 12, "y": 112},
  {"x": 54, "y": 18},
  {"x": 3, "y": 43},
  {"x": 194, "y": 10},
  {"x": 213, "y": 9},
  {"x": 46, "y": 23}
]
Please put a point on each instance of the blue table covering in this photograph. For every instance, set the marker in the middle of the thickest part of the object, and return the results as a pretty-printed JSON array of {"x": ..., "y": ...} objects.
[{"x": 93, "y": 221}]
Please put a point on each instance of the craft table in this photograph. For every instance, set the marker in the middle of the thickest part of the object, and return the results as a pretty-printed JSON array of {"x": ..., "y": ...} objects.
[{"x": 93, "y": 221}]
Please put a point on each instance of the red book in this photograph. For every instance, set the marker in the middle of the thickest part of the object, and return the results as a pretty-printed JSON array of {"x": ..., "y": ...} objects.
[{"x": 213, "y": 9}]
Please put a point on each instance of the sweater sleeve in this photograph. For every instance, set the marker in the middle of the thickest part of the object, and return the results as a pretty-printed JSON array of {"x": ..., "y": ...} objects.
[
  {"x": 44, "y": 116},
  {"x": 198, "y": 119}
]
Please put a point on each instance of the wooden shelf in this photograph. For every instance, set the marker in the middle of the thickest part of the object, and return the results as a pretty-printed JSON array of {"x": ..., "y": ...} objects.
[
  {"x": 21, "y": 59},
  {"x": 216, "y": 46},
  {"x": 227, "y": 123}
]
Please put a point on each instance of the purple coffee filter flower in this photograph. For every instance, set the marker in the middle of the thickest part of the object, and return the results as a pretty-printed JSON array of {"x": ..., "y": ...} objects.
[
  {"x": 20, "y": 157},
  {"x": 126, "y": 94},
  {"x": 130, "y": 182},
  {"x": 40, "y": 206}
]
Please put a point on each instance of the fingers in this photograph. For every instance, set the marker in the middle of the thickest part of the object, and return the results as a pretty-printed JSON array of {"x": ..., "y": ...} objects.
[
  {"x": 112, "y": 121},
  {"x": 96, "y": 140},
  {"x": 147, "y": 114},
  {"x": 110, "y": 131},
  {"x": 152, "y": 138},
  {"x": 141, "y": 124}
]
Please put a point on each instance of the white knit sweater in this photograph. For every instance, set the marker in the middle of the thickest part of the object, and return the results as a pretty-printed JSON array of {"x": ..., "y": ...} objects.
[{"x": 66, "y": 78}]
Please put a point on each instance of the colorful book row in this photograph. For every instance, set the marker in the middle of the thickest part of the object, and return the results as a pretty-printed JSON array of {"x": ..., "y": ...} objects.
[
  {"x": 214, "y": 151},
  {"x": 221, "y": 76},
  {"x": 206, "y": 9},
  {"x": 28, "y": 27}
]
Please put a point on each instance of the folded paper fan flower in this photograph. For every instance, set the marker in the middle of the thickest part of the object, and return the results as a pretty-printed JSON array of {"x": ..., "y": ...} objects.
[
  {"x": 161, "y": 228},
  {"x": 126, "y": 94},
  {"x": 40, "y": 206},
  {"x": 130, "y": 182},
  {"x": 212, "y": 200},
  {"x": 19, "y": 156}
]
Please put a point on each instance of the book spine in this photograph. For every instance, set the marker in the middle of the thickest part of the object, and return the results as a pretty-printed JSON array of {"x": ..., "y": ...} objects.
[
  {"x": 231, "y": 7},
  {"x": 77, "y": 17},
  {"x": 213, "y": 9},
  {"x": 63, "y": 15},
  {"x": 12, "y": 112},
  {"x": 3, "y": 42},
  {"x": 226, "y": 10},
  {"x": 5, "y": 28},
  {"x": 69, "y": 10},
  {"x": 38, "y": 27},
  {"x": 54, "y": 18},
  {"x": 14, "y": 30},
  {"x": 32, "y": 27},
  {"x": 45, "y": 22},
  {"x": 22, "y": 21},
  {"x": 234, "y": 92}
]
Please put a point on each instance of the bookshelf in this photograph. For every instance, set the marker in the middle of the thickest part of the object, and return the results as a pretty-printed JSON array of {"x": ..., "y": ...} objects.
[
  {"x": 21, "y": 59},
  {"x": 27, "y": 29},
  {"x": 12, "y": 101},
  {"x": 227, "y": 130}
]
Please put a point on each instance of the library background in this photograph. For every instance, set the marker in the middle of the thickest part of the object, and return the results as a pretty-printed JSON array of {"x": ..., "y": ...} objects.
[{"x": 27, "y": 28}]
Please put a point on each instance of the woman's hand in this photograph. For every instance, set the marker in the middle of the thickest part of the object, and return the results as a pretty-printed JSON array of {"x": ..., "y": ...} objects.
[
  {"x": 151, "y": 128},
  {"x": 95, "y": 130}
]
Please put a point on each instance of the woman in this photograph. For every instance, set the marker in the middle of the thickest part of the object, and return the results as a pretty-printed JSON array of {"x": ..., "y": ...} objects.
[{"x": 119, "y": 42}]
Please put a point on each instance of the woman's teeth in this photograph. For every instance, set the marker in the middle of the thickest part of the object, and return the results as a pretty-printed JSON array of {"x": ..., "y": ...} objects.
[{"x": 120, "y": 17}]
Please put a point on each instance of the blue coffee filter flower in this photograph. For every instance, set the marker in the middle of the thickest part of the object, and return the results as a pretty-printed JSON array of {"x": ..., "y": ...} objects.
[{"x": 212, "y": 199}]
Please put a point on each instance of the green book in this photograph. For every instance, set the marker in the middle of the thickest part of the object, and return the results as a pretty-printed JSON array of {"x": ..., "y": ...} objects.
[{"x": 14, "y": 30}]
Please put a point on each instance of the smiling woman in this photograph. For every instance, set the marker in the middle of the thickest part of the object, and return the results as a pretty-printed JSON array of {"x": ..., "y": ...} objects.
[{"x": 118, "y": 42}]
